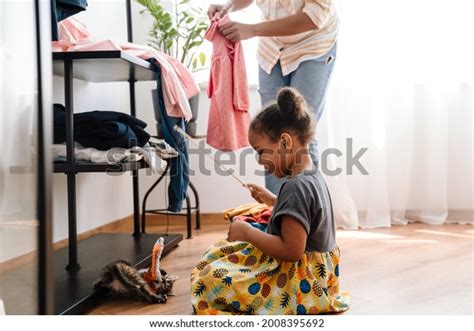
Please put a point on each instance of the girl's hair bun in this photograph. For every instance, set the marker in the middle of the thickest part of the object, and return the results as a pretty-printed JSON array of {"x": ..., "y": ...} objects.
[
  {"x": 291, "y": 103},
  {"x": 288, "y": 114}
]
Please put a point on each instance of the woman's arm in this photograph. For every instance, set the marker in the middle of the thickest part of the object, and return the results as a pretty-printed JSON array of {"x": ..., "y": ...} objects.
[
  {"x": 287, "y": 26},
  {"x": 290, "y": 246}
]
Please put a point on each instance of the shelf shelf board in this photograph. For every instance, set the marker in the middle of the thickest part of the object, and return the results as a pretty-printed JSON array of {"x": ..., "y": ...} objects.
[
  {"x": 99, "y": 167},
  {"x": 104, "y": 66},
  {"x": 74, "y": 290}
]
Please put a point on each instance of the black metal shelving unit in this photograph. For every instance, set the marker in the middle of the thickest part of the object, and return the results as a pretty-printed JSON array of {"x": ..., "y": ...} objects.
[
  {"x": 73, "y": 283},
  {"x": 73, "y": 286}
]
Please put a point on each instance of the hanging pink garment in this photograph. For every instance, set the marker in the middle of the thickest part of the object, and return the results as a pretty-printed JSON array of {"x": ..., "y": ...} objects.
[
  {"x": 178, "y": 83},
  {"x": 228, "y": 116}
]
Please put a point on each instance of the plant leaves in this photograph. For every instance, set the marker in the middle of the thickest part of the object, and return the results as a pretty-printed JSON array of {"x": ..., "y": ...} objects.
[
  {"x": 202, "y": 58},
  {"x": 180, "y": 29}
]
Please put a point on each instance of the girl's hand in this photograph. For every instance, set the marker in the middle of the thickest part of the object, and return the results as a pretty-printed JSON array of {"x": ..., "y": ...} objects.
[
  {"x": 235, "y": 31},
  {"x": 221, "y": 10},
  {"x": 261, "y": 194},
  {"x": 238, "y": 231}
]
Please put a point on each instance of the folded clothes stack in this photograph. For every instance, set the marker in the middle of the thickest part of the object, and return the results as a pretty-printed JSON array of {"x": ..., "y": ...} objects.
[
  {"x": 102, "y": 130},
  {"x": 91, "y": 154},
  {"x": 153, "y": 154},
  {"x": 257, "y": 214},
  {"x": 109, "y": 137}
]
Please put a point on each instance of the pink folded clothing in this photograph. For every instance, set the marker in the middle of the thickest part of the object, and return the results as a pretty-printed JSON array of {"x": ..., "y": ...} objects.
[
  {"x": 229, "y": 118},
  {"x": 178, "y": 83},
  {"x": 182, "y": 87}
]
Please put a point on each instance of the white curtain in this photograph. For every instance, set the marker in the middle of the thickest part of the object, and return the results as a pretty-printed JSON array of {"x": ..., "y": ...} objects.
[{"x": 403, "y": 89}]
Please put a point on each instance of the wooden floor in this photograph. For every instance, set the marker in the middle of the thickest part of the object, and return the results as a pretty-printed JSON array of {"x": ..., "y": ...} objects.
[{"x": 414, "y": 269}]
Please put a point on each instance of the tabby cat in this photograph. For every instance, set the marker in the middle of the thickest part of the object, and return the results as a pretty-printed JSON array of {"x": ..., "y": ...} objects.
[{"x": 120, "y": 280}]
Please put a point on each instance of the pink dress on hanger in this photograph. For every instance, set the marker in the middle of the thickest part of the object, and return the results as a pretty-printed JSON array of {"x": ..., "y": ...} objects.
[{"x": 229, "y": 116}]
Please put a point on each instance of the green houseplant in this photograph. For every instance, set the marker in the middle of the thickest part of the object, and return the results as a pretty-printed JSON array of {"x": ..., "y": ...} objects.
[{"x": 178, "y": 31}]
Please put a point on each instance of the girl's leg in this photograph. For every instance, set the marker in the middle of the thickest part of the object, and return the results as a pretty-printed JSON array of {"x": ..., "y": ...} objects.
[
  {"x": 269, "y": 84},
  {"x": 311, "y": 79}
]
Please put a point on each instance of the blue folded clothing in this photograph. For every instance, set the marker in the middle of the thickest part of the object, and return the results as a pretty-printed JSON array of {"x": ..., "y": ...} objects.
[{"x": 101, "y": 129}]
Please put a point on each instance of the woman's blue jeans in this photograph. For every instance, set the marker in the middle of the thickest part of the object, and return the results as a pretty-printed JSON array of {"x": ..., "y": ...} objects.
[{"x": 311, "y": 79}]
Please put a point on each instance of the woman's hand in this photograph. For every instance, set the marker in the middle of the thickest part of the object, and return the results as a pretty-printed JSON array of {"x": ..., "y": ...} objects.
[
  {"x": 261, "y": 194},
  {"x": 238, "y": 231},
  {"x": 235, "y": 31},
  {"x": 221, "y": 10}
]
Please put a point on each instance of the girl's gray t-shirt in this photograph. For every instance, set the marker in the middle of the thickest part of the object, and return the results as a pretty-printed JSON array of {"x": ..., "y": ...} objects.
[{"x": 306, "y": 198}]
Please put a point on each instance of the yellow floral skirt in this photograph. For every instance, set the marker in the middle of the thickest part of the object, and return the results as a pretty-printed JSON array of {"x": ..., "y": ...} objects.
[{"x": 237, "y": 278}]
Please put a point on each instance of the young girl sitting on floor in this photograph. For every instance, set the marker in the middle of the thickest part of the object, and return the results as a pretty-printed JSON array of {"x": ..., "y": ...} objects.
[{"x": 293, "y": 267}]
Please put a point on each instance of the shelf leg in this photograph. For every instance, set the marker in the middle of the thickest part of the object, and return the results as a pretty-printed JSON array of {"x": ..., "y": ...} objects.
[
  {"x": 136, "y": 192},
  {"x": 73, "y": 264},
  {"x": 196, "y": 200},
  {"x": 189, "y": 217},
  {"x": 136, "y": 206}
]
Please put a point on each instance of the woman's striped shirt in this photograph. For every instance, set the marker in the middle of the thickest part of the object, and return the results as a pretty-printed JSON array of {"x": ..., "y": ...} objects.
[{"x": 294, "y": 49}]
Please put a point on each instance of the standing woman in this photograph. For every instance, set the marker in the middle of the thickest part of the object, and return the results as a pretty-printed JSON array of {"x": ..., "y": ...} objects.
[{"x": 297, "y": 48}]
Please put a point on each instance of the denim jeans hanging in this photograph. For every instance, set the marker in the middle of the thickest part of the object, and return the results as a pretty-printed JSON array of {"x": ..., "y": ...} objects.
[{"x": 179, "y": 166}]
